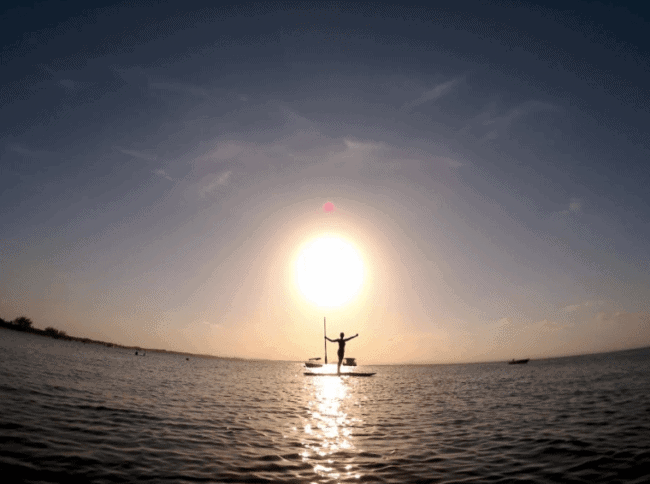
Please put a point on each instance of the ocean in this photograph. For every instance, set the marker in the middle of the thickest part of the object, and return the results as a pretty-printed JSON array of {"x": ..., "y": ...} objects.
[{"x": 90, "y": 413}]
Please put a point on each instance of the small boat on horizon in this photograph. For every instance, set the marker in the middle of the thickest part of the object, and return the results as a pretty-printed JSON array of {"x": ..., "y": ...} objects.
[
  {"x": 349, "y": 362},
  {"x": 518, "y": 362}
]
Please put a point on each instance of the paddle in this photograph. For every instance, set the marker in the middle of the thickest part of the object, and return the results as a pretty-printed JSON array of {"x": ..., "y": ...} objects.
[{"x": 325, "y": 333}]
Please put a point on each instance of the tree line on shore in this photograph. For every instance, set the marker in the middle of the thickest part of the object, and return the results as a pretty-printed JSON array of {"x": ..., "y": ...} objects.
[{"x": 26, "y": 325}]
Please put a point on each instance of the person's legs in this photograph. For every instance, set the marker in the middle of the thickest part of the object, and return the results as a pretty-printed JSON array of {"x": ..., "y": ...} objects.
[{"x": 338, "y": 367}]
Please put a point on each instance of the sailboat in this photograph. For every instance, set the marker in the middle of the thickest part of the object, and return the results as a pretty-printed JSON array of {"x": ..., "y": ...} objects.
[{"x": 314, "y": 362}]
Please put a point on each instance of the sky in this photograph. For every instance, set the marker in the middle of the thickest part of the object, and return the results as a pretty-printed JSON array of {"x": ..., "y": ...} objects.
[{"x": 163, "y": 164}]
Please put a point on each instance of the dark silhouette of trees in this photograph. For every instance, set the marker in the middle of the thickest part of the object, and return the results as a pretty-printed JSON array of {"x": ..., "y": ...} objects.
[
  {"x": 54, "y": 333},
  {"x": 23, "y": 323}
]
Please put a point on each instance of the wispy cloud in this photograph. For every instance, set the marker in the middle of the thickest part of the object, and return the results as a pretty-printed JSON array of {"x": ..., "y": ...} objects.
[
  {"x": 71, "y": 85},
  {"x": 223, "y": 179},
  {"x": 22, "y": 150},
  {"x": 621, "y": 329},
  {"x": 487, "y": 126},
  {"x": 368, "y": 155},
  {"x": 506, "y": 333},
  {"x": 431, "y": 94},
  {"x": 386, "y": 158},
  {"x": 499, "y": 124},
  {"x": 586, "y": 304},
  {"x": 575, "y": 206},
  {"x": 143, "y": 155},
  {"x": 546, "y": 326},
  {"x": 215, "y": 184},
  {"x": 224, "y": 151},
  {"x": 179, "y": 87},
  {"x": 163, "y": 174},
  {"x": 453, "y": 163}
]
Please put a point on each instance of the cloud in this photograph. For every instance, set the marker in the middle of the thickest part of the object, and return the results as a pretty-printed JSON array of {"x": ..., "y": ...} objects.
[
  {"x": 224, "y": 151},
  {"x": 215, "y": 184},
  {"x": 449, "y": 161},
  {"x": 179, "y": 87},
  {"x": 546, "y": 326},
  {"x": 572, "y": 307},
  {"x": 503, "y": 322},
  {"x": 71, "y": 85},
  {"x": 586, "y": 304},
  {"x": 497, "y": 125},
  {"x": 138, "y": 154},
  {"x": 503, "y": 331},
  {"x": 487, "y": 126},
  {"x": 621, "y": 329},
  {"x": 132, "y": 75},
  {"x": 163, "y": 174},
  {"x": 223, "y": 178},
  {"x": 505, "y": 336},
  {"x": 490, "y": 136},
  {"x": 369, "y": 157},
  {"x": 431, "y": 94},
  {"x": 22, "y": 150},
  {"x": 306, "y": 154},
  {"x": 575, "y": 206},
  {"x": 364, "y": 146},
  {"x": 385, "y": 159},
  {"x": 588, "y": 333}
]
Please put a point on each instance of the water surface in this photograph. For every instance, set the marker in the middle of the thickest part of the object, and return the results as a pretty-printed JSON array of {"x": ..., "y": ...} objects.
[{"x": 73, "y": 410}]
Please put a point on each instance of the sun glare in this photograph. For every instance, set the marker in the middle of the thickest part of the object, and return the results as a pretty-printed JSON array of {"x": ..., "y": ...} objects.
[{"x": 329, "y": 271}]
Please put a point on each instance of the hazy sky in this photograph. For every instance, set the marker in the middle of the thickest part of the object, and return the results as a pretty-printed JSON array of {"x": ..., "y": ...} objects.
[{"x": 162, "y": 164}]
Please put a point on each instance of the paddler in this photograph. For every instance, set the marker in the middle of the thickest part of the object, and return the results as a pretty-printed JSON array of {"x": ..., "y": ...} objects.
[{"x": 341, "y": 352}]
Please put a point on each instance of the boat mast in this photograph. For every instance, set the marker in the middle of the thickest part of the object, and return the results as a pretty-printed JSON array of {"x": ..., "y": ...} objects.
[{"x": 325, "y": 332}]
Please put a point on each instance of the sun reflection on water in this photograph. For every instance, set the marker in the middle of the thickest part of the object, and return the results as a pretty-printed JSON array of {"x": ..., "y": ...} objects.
[{"x": 328, "y": 438}]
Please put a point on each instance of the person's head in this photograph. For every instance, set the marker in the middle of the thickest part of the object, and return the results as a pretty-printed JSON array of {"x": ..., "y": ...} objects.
[{"x": 342, "y": 335}]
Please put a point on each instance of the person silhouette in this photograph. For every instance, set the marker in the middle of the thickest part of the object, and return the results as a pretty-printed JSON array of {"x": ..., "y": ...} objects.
[{"x": 341, "y": 352}]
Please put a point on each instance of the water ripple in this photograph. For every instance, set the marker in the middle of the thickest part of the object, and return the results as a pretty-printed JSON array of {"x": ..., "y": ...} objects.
[{"x": 75, "y": 411}]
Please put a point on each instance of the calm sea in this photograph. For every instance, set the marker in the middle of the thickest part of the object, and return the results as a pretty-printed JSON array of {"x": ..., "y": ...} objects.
[{"x": 83, "y": 412}]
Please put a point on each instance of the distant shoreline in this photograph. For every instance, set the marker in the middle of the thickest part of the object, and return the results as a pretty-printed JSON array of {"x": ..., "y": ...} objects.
[
  {"x": 55, "y": 334},
  {"x": 50, "y": 333}
]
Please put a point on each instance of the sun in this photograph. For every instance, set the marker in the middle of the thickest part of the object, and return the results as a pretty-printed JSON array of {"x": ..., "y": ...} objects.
[{"x": 329, "y": 271}]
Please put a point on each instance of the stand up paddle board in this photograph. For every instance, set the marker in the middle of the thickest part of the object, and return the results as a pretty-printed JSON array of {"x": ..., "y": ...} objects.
[{"x": 356, "y": 373}]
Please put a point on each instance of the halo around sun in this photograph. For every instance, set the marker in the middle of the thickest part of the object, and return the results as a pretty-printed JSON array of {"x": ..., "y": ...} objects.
[{"x": 329, "y": 271}]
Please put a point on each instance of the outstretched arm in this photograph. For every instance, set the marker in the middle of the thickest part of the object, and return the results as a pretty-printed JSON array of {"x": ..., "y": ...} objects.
[
  {"x": 351, "y": 337},
  {"x": 332, "y": 340}
]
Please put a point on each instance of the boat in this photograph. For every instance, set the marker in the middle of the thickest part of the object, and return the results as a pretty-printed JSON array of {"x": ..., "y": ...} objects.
[
  {"x": 309, "y": 373},
  {"x": 313, "y": 363},
  {"x": 518, "y": 362},
  {"x": 349, "y": 362}
]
